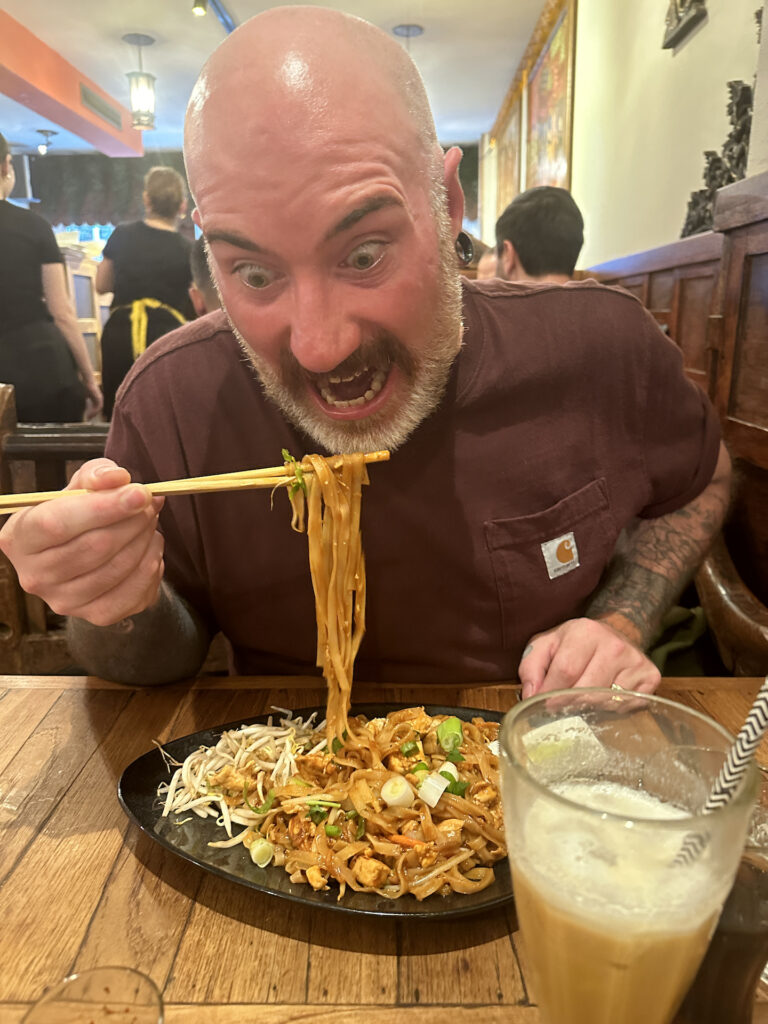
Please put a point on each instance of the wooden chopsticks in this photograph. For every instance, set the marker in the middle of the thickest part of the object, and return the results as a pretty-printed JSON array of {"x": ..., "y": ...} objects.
[{"x": 244, "y": 480}]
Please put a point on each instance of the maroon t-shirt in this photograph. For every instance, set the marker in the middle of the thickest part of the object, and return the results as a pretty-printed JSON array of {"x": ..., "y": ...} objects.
[{"x": 567, "y": 414}]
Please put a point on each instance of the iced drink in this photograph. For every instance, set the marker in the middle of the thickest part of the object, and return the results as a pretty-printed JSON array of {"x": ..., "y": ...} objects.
[{"x": 600, "y": 792}]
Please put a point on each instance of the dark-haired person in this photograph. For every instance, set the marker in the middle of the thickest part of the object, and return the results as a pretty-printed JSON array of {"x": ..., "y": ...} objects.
[
  {"x": 528, "y": 424},
  {"x": 202, "y": 291},
  {"x": 42, "y": 352},
  {"x": 539, "y": 236},
  {"x": 146, "y": 266}
]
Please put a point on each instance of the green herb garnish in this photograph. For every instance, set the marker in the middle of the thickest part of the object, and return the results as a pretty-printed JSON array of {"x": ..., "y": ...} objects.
[
  {"x": 264, "y": 807},
  {"x": 299, "y": 483},
  {"x": 457, "y": 787}
]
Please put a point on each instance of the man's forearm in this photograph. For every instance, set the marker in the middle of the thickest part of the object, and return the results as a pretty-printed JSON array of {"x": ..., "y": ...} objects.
[
  {"x": 163, "y": 644},
  {"x": 659, "y": 559}
]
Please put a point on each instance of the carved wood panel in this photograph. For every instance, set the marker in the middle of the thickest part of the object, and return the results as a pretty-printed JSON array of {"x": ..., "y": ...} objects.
[
  {"x": 679, "y": 285},
  {"x": 742, "y": 386}
]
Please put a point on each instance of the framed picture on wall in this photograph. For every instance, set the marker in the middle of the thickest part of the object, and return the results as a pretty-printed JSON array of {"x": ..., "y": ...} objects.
[
  {"x": 508, "y": 145},
  {"x": 550, "y": 106}
]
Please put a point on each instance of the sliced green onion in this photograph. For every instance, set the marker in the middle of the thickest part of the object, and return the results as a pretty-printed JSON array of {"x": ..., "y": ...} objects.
[
  {"x": 449, "y": 734},
  {"x": 360, "y": 830},
  {"x": 317, "y": 814},
  {"x": 409, "y": 748},
  {"x": 333, "y": 831},
  {"x": 261, "y": 852},
  {"x": 455, "y": 756},
  {"x": 264, "y": 807},
  {"x": 336, "y": 745},
  {"x": 396, "y": 792},
  {"x": 432, "y": 788},
  {"x": 351, "y": 814},
  {"x": 420, "y": 766}
]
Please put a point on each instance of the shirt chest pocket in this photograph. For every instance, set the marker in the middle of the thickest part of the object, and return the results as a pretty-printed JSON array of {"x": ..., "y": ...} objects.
[{"x": 548, "y": 563}]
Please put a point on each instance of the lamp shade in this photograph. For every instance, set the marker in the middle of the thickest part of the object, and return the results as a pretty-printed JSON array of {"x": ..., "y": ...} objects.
[{"x": 142, "y": 92}]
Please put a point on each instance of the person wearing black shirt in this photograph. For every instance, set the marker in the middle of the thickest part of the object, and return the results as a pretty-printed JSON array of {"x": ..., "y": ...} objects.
[
  {"x": 146, "y": 266},
  {"x": 42, "y": 352}
]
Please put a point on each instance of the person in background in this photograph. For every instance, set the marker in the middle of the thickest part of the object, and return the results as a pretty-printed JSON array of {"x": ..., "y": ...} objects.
[
  {"x": 146, "y": 266},
  {"x": 528, "y": 424},
  {"x": 539, "y": 236},
  {"x": 487, "y": 265},
  {"x": 42, "y": 352},
  {"x": 202, "y": 291}
]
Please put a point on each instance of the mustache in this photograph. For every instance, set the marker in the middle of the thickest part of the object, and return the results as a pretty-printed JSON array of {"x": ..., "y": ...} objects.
[{"x": 381, "y": 351}]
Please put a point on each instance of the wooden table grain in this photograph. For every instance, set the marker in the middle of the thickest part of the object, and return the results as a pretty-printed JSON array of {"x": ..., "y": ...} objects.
[{"x": 82, "y": 887}]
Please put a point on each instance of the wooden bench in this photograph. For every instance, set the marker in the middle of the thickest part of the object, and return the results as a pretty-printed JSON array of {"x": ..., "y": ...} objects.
[{"x": 711, "y": 292}]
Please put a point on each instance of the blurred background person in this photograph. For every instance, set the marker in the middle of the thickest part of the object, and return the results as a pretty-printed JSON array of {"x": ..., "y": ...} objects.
[
  {"x": 202, "y": 291},
  {"x": 539, "y": 236},
  {"x": 486, "y": 265},
  {"x": 42, "y": 352},
  {"x": 146, "y": 266}
]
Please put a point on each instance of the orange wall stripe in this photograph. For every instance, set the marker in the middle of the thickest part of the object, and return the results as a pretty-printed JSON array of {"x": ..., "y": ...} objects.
[{"x": 33, "y": 74}]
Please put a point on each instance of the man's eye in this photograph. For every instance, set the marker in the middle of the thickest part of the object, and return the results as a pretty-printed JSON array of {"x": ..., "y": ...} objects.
[
  {"x": 255, "y": 276},
  {"x": 365, "y": 256}
]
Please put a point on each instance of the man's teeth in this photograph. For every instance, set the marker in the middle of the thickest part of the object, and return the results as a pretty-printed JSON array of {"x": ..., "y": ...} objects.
[{"x": 377, "y": 383}]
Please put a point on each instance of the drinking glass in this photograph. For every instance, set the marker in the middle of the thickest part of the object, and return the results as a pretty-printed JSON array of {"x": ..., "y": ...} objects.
[
  {"x": 98, "y": 996},
  {"x": 723, "y": 991},
  {"x": 603, "y": 794}
]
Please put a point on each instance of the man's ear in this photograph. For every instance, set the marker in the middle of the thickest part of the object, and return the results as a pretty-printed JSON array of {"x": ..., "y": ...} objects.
[
  {"x": 453, "y": 188},
  {"x": 508, "y": 259},
  {"x": 197, "y": 300}
]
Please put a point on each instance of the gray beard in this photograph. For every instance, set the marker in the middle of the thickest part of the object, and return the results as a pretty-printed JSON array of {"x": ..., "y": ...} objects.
[{"x": 428, "y": 372}]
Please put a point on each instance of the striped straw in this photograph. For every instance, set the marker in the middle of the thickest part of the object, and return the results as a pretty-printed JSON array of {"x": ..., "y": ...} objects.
[{"x": 731, "y": 774}]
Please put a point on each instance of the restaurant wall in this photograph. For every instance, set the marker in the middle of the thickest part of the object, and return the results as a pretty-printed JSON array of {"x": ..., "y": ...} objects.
[{"x": 644, "y": 116}]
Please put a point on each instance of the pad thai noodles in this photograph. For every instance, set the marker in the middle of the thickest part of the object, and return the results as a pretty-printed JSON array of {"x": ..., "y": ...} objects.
[
  {"x": 408, "y": 803},
  {"x": 411, "y": 807}
]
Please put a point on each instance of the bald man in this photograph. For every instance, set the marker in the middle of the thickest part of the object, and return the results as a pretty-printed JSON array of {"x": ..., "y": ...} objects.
[{"x": 528, "y": 425}]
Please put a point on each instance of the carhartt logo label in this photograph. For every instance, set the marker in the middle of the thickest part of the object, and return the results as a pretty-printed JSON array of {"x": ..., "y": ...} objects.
[{"x": 560, "y": 555}]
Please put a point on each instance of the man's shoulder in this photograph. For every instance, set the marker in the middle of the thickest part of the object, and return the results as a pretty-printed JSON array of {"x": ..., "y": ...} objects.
[
  {"x": 495, "y": 292},
  {"x": 195, "y": 346}
]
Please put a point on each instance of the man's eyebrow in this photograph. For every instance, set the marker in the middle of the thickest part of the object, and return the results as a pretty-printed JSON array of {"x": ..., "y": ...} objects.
[
  {"x": 232, "y": 238},
  {"x": 370, "y": 206}
]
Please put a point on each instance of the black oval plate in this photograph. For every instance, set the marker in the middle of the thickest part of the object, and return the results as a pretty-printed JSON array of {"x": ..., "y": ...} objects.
[{"x": 137, "y": 792}]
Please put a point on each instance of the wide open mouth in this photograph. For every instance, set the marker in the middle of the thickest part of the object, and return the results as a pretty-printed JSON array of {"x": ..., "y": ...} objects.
[
  {"x": 351, "y": 389},
  {"x": 361, "y": 378}
]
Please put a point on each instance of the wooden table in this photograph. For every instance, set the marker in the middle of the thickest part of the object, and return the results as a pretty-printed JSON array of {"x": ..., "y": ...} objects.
[{"x": 81, "y": 887}]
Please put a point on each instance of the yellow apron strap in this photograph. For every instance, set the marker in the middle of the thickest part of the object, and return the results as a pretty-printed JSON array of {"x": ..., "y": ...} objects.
[{"x": 139, "y": 322}]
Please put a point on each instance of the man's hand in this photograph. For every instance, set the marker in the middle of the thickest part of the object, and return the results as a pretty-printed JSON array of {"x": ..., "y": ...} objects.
[
  {"x": 95, "y": 556},
  {"x": 585, "y": 652}
]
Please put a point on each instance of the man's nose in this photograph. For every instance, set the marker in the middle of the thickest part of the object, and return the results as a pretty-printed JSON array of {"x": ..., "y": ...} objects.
[{"x": 323, "y": 335}]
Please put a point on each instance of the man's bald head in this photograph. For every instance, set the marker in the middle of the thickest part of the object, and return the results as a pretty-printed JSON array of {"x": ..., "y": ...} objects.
[
  {"x": 330, "y": 213},
  {"x": 295, "y": 77}
]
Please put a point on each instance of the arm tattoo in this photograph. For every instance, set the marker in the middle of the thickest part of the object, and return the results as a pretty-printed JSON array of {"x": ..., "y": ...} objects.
[
  {"x": 661, "y": 556},
  {"x": 163, "y": 644}
]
